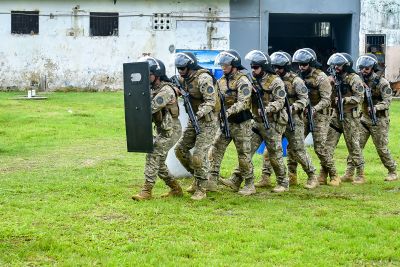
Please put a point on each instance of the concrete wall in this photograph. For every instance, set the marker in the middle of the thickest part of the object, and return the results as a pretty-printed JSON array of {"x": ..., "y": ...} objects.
[
  {"x": 383, "y": 17},
  {"x": 65, "y": 54}
]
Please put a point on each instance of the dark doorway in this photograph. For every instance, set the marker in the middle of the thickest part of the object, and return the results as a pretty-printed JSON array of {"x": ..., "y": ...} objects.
[{"x": 325, "y": 33}]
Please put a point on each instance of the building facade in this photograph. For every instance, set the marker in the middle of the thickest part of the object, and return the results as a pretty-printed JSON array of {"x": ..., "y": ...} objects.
[{"x": 83, "y": 44}]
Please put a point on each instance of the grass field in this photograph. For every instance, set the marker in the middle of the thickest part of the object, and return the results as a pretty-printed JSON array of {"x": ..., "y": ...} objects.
[{"x": 66, "y": 181}]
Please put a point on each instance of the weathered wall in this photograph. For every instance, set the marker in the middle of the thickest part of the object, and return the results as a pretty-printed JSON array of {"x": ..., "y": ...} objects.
[
  {"x": 383, "y": 17},
  {"x": 66, "y": 55}
]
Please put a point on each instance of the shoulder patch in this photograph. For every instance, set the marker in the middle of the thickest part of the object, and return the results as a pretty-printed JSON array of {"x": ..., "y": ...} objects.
[
  {"x": 304, "y": 90},
  {"x": 360, "y": 89},
  {"x": 159, "y": 100},
  {"x": 388, "y": 91},
  {"x": 210, "y": 90},
  {"x": 281, "y": 93},
  {"x": 246, "y": 91}
]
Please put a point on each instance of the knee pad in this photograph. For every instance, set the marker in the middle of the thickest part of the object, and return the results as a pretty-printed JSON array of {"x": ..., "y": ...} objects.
[{"x": 197, "y": 161}]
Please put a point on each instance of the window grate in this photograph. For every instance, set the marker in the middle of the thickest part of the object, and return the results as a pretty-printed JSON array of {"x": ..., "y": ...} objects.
[
  {"x": 103, "y": 24},
  {"x": 25, "y": 22},
  {"x": 375, "y": 39}
]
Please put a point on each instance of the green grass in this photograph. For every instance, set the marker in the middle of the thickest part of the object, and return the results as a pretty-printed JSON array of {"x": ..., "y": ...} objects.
[{"x": 66, "y": 181}]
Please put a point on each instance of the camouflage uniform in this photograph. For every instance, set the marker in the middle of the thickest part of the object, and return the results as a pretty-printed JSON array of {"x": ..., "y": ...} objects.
[
  {"x": 297, "y": 153},
  {"x": 319, "y": 94},
  {"x": 203, "y": 97},
  {"x": 353, "y": 94},
  {"x": 381, "y": 97},
  {"x": 165, "y": 117},
  {"x": 236, "y": 89},
  {"x": 274, "y": 100}
]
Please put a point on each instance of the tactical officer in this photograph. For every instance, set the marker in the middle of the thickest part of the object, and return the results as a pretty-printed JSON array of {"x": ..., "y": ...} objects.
[
  {"x": 381, "y": 95},
  {"x": 165, "y": 112},
  {"x": 319, "y": 94},
  {"x": 346, "y": 114},
  {"x": 273, "y": 97},
  {"x": 236, "y": 89},
  {"x": 198, "y": 82},
  {"x": 297, "y": 94}
]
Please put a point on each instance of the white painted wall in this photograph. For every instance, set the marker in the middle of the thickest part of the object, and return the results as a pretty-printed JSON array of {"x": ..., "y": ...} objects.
[
  {"x": 96, "y": 62},
  {"x": 383, "y": 17}
]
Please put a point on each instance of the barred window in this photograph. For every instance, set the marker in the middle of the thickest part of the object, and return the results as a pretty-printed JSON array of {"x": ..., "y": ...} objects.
[
  {"x": 103, "y": 24},
  {"x": 25, "y": 22}
]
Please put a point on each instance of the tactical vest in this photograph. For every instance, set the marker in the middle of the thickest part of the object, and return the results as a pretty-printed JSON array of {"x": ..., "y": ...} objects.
[
  {"x": 290, "y": 90},
  {"x": 347, "y": 92},
  {"x": 267, "y": 93},
  {"x": 196, "y": 98},
  {"x": 172, "y": 107},
  {"x": 229, "y": 88},
  {"x": 375, "y": 93},
  {"x": 311, "y": 82}
]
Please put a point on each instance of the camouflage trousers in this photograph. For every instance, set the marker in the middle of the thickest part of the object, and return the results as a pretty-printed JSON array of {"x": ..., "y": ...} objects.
[
  {"x": 241, "y": 134},
  {"x": 350, "y": 127},
  {"x": 296, "y": 150},
  {"x": 320, "y": 135},
  {"x": 379, "y": 135},
  {"x": 155, "y": 161},
  {"x": 197, "y": 163},
  {"x": 273, "y": 138}
]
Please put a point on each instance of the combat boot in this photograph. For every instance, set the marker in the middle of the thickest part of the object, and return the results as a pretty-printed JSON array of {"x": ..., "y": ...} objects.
[
  {"x": 233, "y": 183},
  {"x": 312, "y": 182},
  {"x": 145, "y": 193},
  {"x": 348, "y": 176},
  {"x": 323, "y": 176},
  {"x": 212, "y": 184},
  {"x": 280, "y": 189},
  {"x": 200, "y": 190},
  {"x": 176, "y": 190},
  {"x": 192, "y": 188},
  {"x": 360, "y": 177},
  {"x": 292, "y": 178},
  {"x": 335, "y": 180},
  {"x": 248, "y": 188},
  {"x": 264, "y": 182},
  {"x": 392, "y": 176}
]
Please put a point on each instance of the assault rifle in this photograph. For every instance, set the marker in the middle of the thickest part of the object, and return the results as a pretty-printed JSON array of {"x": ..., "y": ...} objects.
[
  {"x": 370, "y": 103},
  {"x": 186, "y": 103},
  {"x": 289, "y": 112},
  {"x": 338, "y": 88},
  {"x": 223, "y": 120},
  {"x": 258, "y": 90},
  {"x": 310, "y": 118}
]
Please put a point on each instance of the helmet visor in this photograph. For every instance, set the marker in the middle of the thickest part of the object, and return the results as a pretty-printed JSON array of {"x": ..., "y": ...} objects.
[
  {"x": 365, "y": 62},
  {"x": 182, "y": 60},
  {"x": 225, "y": 58},
  {"x": 280, "y": 59},
  {"x": 303, "y": 56},
  {"x": 337, "y": 59},
  {"x": 256, "y": 56},
  {"x": 153, "y": 64}
]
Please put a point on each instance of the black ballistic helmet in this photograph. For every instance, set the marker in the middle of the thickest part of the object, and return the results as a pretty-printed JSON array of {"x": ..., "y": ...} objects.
[
  {"x": 156, "y": 66},
  {"x": 368, "y": 61},
  {"x": 229, "y": 57},
  {"x": 186, "y": 60},
  {"x": 258, "y": 58},
  {"x": 281, "y": 59},
  {"x": 341, "y": 59},
  {"x": 306, "y": 56}
]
